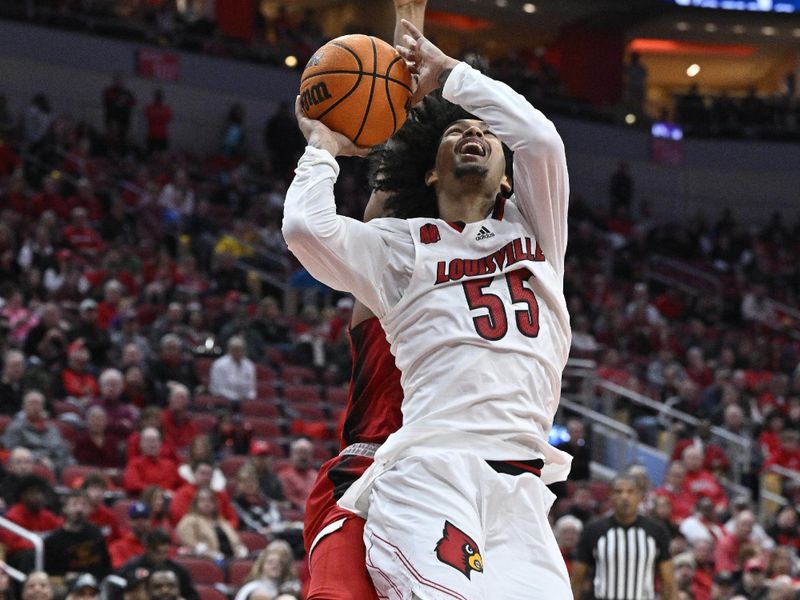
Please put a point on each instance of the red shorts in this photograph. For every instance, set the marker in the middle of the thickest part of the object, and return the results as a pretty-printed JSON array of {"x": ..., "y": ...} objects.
[
  {"x": 337, "y": 562},
  {"x": 338, "y": 565}
]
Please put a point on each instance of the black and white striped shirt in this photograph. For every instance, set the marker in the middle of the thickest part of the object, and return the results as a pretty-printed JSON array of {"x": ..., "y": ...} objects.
[{"x": 624, "y": 557}]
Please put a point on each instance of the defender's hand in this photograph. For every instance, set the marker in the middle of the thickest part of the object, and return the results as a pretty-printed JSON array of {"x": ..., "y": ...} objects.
[
  {"x": 318, "y": 135},
  {"x": 403, "y": 3},
  {"x": 429, "y": 64}
]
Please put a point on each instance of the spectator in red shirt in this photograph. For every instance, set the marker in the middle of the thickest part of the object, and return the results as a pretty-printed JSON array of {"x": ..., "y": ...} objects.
[
  {"x": 158, "y": 117},
  {"x": 8, "y": 159},
  {"x": 108, "y": 309},
  {"x": 769, "y": 440},
  {"x": 714, "y": 458},
  {"x": 150, "y": 468},
  {"x": 699, "y": 482},
  {"x": 76, "y": 380},
  {"x": 131, "y": 543},
  {"x": 703, "y": 554},
  {"x": 100, "y": 515},
  {"x": 697, "y": 369},
  {"x": 298, "y": 477},
  {"x": 788, "y": 453},
  {"x": 50, "y": 198},
  {"x": 674, "y": 489},
  {"x": 182, "y": 501},
  {"x": 176, "y": 424},
  {"x": 29, "y": 512},
  {"x": 728, "y": 552},
  {"x": 81, "y": 236},
  {"x": 150, "y": 417},
  {"x": 96, "y": 446}
]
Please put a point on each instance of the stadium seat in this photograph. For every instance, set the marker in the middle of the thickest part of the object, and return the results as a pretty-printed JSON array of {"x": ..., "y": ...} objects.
[
  {"x": 337, "y": 396},
  {"x": 230, "y": 465},
  {"x": 62, "y": 407},
  {"x": 301, "y": 393},
  {"x": 202, "y": 570},
  {"x": 238, "y": 570},
  {"x": 69, "y": 432},
  {"x": 255, "y": 542},
  {"x": 202, "y": 367},
  {"x": 265, "y": 390},
  {"x": 264, "y": 427},
  {"x": 296, "y": 374},
  {"x": 209, "y": 402},
  {"x": 264, "y": 373},
  {"x": 260, "y": 408},
  {"x": 205, "y": 423},
  {"x": 47, "y": 474},
  {"x": 209, "y": 592}
]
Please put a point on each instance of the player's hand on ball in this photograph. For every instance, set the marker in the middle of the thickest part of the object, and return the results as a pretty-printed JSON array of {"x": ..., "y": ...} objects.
[
  {"x": 424, "y": 60},
  {"x": 318, "y": 135}
]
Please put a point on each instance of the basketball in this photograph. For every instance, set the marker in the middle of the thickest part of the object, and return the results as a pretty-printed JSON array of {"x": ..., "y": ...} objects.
[{"x": 359, "y": 86}]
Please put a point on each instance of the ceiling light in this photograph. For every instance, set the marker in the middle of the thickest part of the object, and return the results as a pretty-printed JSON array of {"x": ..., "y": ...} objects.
[
  {"x": 501, "y": 3},
  {"x": 710, "y": 27},
  {"x": 630, "y": 118},
  {"x": 796, "y": 32},
  {"x": 682, "y": 26},
  {"x": 738, "y": 29},
  {"x": 693, "y": 70},
  {"x": 769, "y": 30},
  {"x": 529, "y": 8},
  {"x": 290, "y": 61}
]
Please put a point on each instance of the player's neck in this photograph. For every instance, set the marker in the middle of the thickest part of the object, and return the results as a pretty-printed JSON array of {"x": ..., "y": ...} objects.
[{"x": 468, "y": 208}]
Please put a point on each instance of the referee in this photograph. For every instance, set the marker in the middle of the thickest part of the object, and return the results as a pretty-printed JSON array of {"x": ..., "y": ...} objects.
[{"x": 625, "y": 550}]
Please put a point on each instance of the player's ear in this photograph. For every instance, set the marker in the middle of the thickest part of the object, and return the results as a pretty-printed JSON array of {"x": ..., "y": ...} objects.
[
  {"x": 505, "y": 187},
  {"x": 431, "y": 178}
]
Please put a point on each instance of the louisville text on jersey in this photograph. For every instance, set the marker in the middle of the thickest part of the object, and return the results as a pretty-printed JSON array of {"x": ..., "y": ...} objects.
[{"x": 513, "y": 252}]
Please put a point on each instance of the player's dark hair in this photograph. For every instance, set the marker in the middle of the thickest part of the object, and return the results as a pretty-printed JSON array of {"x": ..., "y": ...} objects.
[{"x": 399, "y": 167}]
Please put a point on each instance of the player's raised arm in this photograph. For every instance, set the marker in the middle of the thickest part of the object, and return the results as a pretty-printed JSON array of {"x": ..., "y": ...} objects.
[
  {"x": 541, "y": 184},
  {"x": 412, "y": 11},
  {"x": 338, "y": 251}
]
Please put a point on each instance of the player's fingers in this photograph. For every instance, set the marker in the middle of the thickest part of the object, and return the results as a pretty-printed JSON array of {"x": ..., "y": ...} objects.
[
  {"x": 407, "y": 54},
  {"x": 412, "y": 30},
  {"x": 298, "y": 109},
  {"x": 410, "y": 42}
]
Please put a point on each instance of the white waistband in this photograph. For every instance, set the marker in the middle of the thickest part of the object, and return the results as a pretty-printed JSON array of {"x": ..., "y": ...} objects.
[{"x": 361, "y": 449}]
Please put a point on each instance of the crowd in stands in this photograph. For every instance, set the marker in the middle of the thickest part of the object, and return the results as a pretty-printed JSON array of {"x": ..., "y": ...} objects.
[{"x": 163, "y": 406}]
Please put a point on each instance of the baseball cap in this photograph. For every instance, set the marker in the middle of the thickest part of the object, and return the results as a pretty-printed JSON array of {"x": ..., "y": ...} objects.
[
  {"x": 84, "y": 580},
  {"x": 88, "y": 304},
  {"x": 685, "y": 559},
  {"x": 260, "y": 447},
  {"x": 754, "y": 564},
  {"x": 138, "y": 510}
]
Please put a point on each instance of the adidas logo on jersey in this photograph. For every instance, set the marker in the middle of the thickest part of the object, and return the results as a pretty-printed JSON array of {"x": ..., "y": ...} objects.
[{"x": 484, "y": 234}]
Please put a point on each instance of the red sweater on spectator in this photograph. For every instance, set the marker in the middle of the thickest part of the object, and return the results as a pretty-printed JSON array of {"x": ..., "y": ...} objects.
[
  {"x": 702, "y": 483},
  {"x": 125, "y": 548},
  {"x": 784, "y": 457},
  {"x": 682, "y": 503},
  {"x": 83, "y": 239},
  {"x": 182, "y": 501},
  {"x": 105, "y": 518},
  {"x": 55, "y": 202},
  {"x": 78, "y": 384},
  {"x": 726, "y": 554},
  {"x": 297, "y": 484},
  {"x": 134, "y": 448},
  {"x": 701, "y": 583},
  {"x": 40, "y": 522},
  {"x": 107, "y": 456},
  {"x": 770, "y": 443},
  {"x": 106, "y": 313},
  {"x": 179, "y": 431},
  {"x": 144, "y": 471}
]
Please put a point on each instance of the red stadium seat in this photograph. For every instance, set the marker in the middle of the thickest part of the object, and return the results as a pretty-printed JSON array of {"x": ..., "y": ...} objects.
[
  {"x": 255, "y": 542},
  {"x": 260, "y": 408},
  {"x": 202, "y": 367},
  {"x": 210, "y": 402},
  {"x": 301, "y": 393},
  {"x": 204, "y": 423},
  {"x": 238, "y": 570},
  {"x": 69, "y": 432},
  {"x": 264, "y": 427},
  {"x": 265, "y": 390},
  {"x": 337, "y": 396},
  {"x": 309, "y": 412},
  {"x": 297, "y": 374},
  {"x": 202, "y": 570},
  {"x": 230, "y": 465},
  {"x": 44, "y": 473},
  {"x": 62, "y": 407},
  {"x": 264, "y": 373},
  {"x": 209, "y": 592}
]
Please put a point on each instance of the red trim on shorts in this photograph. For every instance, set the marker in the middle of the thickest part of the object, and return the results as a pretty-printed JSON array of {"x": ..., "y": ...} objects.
[{"x": 381, "y": 572}]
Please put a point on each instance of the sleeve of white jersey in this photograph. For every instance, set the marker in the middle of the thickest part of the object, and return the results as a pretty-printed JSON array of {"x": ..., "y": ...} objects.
[
  {"x": 541, "y": 184},
  {"x": 368, "y": 260}
]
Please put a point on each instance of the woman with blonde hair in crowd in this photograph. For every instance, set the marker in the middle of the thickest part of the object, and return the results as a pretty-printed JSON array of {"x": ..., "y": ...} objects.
[
  {"x": 273, "y": 573},
  {"x": 202, "y": 531}
]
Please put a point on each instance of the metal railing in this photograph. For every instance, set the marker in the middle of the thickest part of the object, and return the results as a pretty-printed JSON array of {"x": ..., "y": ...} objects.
[
  {"x": 36, "y": 540},
  {"x": 683, "y": 276}
]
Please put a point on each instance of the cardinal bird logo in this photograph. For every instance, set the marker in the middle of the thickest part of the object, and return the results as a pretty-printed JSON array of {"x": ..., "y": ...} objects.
[{"x": 459, "y": 550}]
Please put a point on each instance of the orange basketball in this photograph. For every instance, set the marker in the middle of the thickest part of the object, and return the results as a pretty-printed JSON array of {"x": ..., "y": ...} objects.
[{"x": 359, "y": 86}]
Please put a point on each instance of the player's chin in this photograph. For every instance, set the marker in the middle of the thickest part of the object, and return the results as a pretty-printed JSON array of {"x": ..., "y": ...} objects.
[{"x": 471, "y": 169}]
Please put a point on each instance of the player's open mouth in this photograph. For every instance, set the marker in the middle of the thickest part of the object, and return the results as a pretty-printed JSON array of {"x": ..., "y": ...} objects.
[{"x": 471, "y": 146}]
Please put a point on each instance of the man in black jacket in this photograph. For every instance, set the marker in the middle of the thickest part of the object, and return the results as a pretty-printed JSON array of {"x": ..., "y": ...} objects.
[{"x": 156, "y": 558}]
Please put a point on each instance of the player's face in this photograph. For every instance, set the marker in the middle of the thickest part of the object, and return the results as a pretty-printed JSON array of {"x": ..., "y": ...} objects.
[{"x": 469, "y": 151}]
